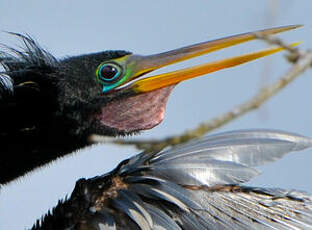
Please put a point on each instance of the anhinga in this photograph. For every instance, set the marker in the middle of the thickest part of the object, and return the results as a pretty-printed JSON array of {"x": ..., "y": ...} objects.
[{"x": 50, "y": 107}]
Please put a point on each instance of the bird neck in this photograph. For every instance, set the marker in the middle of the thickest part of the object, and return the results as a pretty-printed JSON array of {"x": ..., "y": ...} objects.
[{"x": 24, "y": 149}]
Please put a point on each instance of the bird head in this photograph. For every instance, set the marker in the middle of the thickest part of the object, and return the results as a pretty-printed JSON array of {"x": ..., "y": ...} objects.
[
  {"x": 108, "y": 93},
  {"x": 117, "y": 98}
]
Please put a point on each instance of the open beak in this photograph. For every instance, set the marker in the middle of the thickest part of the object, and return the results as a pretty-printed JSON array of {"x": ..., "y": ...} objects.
[{"x": 145, "y": 64}]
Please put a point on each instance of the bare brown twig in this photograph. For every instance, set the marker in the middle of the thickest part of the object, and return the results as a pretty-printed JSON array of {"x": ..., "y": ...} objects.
[{"x": 301, "y": 62}]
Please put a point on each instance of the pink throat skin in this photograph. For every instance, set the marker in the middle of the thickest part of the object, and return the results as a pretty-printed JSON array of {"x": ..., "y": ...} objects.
[{"x": 140, "y": 112}]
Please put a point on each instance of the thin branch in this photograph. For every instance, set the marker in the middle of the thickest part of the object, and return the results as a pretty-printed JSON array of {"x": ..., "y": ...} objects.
[
  {"x": 293, "y": 54},
  {"x": 302, "y": 61}
]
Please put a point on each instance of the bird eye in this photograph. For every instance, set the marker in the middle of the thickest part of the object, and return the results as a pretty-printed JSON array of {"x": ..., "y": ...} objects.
[{"x": 108, "y": 73}]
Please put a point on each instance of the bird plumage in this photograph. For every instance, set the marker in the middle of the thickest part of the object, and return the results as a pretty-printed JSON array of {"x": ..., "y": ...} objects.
[
  {"x": 192, "y": 186},
  {"x": 50, "y": 107}
]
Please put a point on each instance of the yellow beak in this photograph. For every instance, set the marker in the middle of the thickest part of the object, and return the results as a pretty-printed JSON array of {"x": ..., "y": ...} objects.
[{"x": 144, "y": 64}]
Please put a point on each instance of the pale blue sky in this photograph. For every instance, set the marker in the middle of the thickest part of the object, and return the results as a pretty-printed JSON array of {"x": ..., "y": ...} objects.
[{"x": 73, "y": 27}]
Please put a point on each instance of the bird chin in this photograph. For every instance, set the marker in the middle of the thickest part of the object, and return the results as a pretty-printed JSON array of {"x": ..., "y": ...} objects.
[{"x": 135, "y": 113}]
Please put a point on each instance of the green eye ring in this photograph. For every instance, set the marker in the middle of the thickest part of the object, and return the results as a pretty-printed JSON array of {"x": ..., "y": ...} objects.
[
  {"x": 112, "y": 74},
  {"x": 108, "y": 73}
]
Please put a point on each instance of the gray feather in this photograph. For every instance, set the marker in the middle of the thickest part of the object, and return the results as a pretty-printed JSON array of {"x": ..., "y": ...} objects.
[
  {"x": 249, "y": 147},
  {"x": 161, "y": 220},
  {"x": 203, "y": 172},
  {"x": 197, "y": 186},
  {"x": 132, "y": 209}
]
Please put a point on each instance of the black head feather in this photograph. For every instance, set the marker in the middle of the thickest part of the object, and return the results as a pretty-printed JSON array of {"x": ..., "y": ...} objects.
[
  {"x": 53, "y": 106},
  {"x": 48, "y": 105},
  {"x": 6, "y": 87}
]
